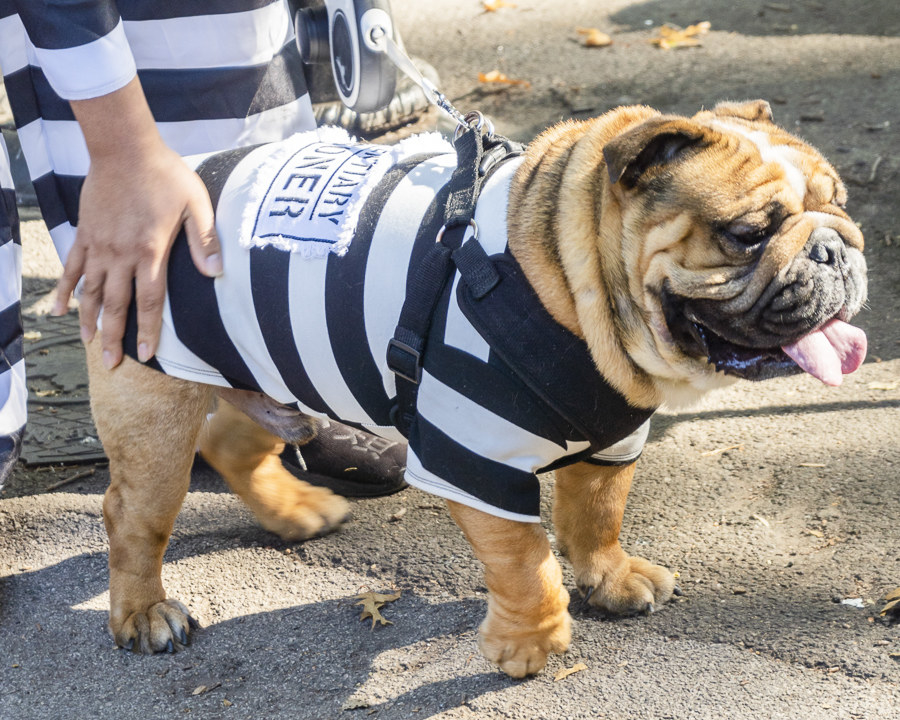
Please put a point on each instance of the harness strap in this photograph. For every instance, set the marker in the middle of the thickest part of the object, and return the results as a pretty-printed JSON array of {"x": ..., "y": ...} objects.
[{"x": 406, "y": 349}]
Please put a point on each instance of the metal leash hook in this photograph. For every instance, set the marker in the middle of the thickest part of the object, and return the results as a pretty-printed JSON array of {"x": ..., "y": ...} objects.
[{"x": 378, "y": 39}]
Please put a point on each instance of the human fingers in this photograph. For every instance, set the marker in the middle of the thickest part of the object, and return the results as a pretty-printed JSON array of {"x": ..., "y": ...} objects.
[
  {"x": 150, "y": 298},
  {"x": 116, "y": 297},
  {"x": 200, "y": 228}
]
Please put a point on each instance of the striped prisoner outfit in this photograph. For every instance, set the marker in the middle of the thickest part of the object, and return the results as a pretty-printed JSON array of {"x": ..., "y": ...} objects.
[
  {"x": 319, "y": 237},
  {"x": 13, "y": 393},
  {"x": 217, "y": 74}
]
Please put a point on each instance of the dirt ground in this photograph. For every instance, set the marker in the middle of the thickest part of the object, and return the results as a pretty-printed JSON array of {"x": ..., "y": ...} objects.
[{"x": 776, "y": 503}]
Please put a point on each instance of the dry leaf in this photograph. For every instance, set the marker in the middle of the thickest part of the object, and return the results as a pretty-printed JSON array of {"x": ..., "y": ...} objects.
[
  {"x": 816, "y": 533},
  {"x": 494, "y": 5},
  {"x": 565, "y": 672},
  {"x": 495, "y": 76},
  {"x": 372, "y": 602},
  {"x": 892, "y": 606},
  {"x": 594, "y": 37},
  {"x": 32, "y": 335},
  {"x": 672, "y": 37},
  {"x": 883, "y": 386}
]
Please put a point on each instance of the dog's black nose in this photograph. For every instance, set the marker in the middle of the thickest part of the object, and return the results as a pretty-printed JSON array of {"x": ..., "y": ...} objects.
[{"x": 825, "y": 246}]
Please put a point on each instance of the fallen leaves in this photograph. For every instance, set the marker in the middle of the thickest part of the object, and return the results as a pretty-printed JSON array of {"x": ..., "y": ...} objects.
[
  {"x": 565, "y": 672},
  {"x": 495, "y": 5},
  {"x": 372, "y": 603},
  {"x": 203, "y": 689},
  {"x": 671, "y": 37},
  {"x": 495, "y": 76},
  {"x": 594, "y": 37},
  {"x": 892, "y": 609}
]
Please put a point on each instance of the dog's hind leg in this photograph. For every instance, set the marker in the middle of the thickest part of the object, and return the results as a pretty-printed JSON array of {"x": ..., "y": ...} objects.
[
  {"x": 528, "y": 616},
  {"x": 148, "y": 423},
  {"x": 587, "y": 513},
  {"x": 247, "y": 456}
]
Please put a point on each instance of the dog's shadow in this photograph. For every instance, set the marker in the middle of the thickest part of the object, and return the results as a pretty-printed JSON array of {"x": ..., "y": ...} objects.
[{"x": 315, "y": 660}]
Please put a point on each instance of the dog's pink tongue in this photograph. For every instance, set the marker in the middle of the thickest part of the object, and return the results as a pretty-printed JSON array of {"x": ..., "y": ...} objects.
[{"x": 828, "y": 354}]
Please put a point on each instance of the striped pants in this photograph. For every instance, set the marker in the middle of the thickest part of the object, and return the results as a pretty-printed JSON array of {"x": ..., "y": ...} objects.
[{"x": 13, "y": 392}]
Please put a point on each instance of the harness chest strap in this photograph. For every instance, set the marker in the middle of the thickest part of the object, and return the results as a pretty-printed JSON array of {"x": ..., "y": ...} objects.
[{"x": 427, "y": 283}]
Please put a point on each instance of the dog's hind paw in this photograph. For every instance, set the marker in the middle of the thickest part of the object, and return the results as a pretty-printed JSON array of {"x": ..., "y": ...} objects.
[
  {"x": 163, "y": 627},
  {"x": 633, "y": 585},
  {"x": 298, "y": 511}
]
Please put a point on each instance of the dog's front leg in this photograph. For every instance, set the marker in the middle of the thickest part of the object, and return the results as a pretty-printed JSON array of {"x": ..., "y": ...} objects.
[
  {"x": 587, "y": 513},
  {"x": 528, "y": 615}
]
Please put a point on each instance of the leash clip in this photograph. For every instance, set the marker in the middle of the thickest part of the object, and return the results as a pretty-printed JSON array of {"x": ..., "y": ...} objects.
[{"x": 475, "y": 120}]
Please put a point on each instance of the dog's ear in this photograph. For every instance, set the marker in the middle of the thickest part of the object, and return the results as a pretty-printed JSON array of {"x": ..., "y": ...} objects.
[
  {"x": 753, "y": 110},
  {"x": 654, "y": 142}
]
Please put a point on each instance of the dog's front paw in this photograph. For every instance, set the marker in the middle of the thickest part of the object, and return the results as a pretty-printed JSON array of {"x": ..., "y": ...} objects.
[
  {"x": 163, "y": 627},
  {"x": 519, "y": 650},
  {"x": 629, "y": 585}
]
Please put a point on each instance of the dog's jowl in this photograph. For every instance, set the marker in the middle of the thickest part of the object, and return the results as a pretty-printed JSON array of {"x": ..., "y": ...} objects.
[{"x": 620, "y": 263}]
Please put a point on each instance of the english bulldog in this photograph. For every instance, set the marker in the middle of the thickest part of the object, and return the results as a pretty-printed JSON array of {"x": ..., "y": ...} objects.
[{"x": 640, "y": 259}]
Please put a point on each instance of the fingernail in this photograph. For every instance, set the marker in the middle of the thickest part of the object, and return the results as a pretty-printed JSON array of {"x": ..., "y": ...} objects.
[
  {"x": 109, "y": 361},
  {"x": 144, "y": 353},
  {"x": 58, "y": 309},
  {"x": 214, "y": 265},
  {"x": 86, "y": 335}
]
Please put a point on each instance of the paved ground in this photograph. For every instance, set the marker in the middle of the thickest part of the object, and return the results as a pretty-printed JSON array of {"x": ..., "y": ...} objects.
[{"x": 774, "y": 503}]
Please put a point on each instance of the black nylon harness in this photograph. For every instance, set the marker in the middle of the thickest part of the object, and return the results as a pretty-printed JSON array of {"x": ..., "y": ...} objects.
[
  {"x": 476, "y": 157},
  {"x": 497, "y": 299}
]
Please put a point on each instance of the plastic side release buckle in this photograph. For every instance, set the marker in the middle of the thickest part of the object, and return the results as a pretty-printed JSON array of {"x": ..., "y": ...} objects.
[{"x": 404, "y": 361}]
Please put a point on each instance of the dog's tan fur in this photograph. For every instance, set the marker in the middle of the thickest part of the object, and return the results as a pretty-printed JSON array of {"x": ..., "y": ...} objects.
[{"x": 597, "y": 253}]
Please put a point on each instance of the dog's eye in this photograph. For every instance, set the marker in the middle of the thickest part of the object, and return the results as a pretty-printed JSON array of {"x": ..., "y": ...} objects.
[{"x": 746, "y": 234}]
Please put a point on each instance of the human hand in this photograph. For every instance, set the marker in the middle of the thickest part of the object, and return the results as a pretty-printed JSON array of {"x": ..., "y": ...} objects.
[{"x": 136, "y": 197}]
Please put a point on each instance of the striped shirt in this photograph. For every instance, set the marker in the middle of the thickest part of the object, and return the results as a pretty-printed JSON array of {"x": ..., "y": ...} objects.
[
  {"x": 319, "y": 236},
  {"x": 217, "y": 74},
  {"x": 13, "y": 392}
]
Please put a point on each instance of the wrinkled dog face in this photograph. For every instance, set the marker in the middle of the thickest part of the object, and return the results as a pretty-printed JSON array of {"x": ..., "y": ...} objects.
[{"x": 747, "y": 263}]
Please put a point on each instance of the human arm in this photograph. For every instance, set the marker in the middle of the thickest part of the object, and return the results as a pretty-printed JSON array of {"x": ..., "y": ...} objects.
[
  {"x": 137, "y": 195},
  {"x": 137, "y": 192}
]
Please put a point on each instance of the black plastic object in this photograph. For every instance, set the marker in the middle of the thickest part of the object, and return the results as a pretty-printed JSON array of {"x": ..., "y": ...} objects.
[{"x": 344, "y": 33}]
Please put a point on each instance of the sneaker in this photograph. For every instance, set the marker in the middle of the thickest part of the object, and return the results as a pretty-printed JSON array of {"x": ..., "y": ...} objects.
[{"x": 351, "y": 462}]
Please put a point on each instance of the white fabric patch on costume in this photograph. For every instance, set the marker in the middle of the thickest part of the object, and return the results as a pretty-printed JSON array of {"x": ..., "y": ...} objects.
[{"x": 307, "y": 196}]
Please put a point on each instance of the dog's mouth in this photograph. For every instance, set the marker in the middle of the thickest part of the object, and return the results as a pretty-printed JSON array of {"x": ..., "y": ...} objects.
[{"x": 828, "y": 352}]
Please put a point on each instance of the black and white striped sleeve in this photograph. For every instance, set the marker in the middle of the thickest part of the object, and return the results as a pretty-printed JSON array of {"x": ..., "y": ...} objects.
[{"x": 81, "y": 47}]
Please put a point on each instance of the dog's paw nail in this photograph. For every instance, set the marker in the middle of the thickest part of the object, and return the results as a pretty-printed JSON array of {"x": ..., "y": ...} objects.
[
  {"x": 587, "y": 593},
  {"x": 677, "y": 591},
  {"x": 182, "y": 637},
  {"x": 650, "y": 609},
  {"x": 192, "y": 622},
  {"x": 170, "y": 647},
  {"x": 129, "y": 645}
]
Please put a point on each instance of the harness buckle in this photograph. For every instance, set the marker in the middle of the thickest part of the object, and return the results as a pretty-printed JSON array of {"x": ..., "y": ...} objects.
[{"x": 404, "y": 361}]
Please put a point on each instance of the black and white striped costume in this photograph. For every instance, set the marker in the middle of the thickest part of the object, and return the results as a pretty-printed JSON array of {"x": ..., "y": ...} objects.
[
  {"x": 13, "y": 392},
  {"x": 217, "y": 74},
  {"x": 319, "y": 235}
]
